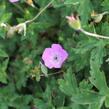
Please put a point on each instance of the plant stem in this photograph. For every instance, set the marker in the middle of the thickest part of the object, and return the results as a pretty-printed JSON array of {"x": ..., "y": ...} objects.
[
  {"x": 28, "y": 21},
  {"x": 104, "y": 13},
  {"x": 60, "y": 71},
  {"x": 93, "y": 35}
]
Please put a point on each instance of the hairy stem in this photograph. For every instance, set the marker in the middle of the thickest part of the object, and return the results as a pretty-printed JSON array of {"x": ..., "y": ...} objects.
[
  {"x": 28, "y": 21},
  {"x": 93, "y": 35},
  {"x": 104, "y": 13}
]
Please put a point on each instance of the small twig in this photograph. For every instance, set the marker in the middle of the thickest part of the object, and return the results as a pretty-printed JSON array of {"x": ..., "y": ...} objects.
[
  {"x": 28, "y": 21},
  {"x": 93, "y": 35}
]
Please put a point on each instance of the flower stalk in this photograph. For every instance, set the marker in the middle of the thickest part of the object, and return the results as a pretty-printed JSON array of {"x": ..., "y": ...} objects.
[
  {"x": 92, "y": 34},
  {"x": 76, "y": 24},
  {"x": 28, "y": 21}
]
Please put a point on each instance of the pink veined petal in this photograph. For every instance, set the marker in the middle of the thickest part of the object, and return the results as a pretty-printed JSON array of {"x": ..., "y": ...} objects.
[
  {"x": 48, "y": 64},
  {"x": 64, "y": 55},
  {"x": 68, "y": 17},
  {"x": 58, "y": 65},
  {"x": 14, "y": 0},
  {"x": 56, "y": 47},
  {"x": 47, "y": 54},
  {"x": 71, "y": 18}
]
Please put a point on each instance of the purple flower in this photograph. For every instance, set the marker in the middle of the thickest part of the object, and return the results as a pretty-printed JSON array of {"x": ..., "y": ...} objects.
[
  {"x": 55, "y": 56},
  {"x": 13, "y": 0}
]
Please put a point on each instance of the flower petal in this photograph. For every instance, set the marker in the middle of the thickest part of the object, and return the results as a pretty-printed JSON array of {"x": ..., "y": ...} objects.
[
  {"x": 13, "y": 0},
  {"x": 56, "y": 46},
  {"x": 48, "y": 52}
]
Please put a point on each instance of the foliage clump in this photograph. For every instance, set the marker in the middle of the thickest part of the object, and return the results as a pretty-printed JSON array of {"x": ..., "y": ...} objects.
[{"x": 27, "y": 28}]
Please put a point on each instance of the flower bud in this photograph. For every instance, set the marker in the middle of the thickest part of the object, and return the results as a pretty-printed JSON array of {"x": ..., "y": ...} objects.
[
  {"x": 30, "y": 2},
  {"x": 98, "y": 17},
  {"x": 11, "y": 32},
  {"x": 20, "y": 28},
  {"x": 74, "y": 22},
  {"x": 36, "y": 73}
]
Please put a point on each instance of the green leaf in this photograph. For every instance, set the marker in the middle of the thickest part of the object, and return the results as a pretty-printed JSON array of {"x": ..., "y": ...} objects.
[
  {"x": 3, "y": 75},
  {"x": 3, "y": 53},
  {"x": 97, "y": 105},
  {"x": 76, "y": 106},
  {"x": 36, "y": 73},
  {"x": 3, "y": 106},
  {"x": 81, "y": 61},
  {"x": 97, "y": 77},
  {"x": 85, "y": 10},
  {"x": 86, "y": 97},
  {"x": 47, "y": 94},
  {"x": 40, "y": 26},
  {"x": 2, "y": 33},
  {"x": 79, "y": 96},
  {"x": 42, "y": 3},
  {"x": 105, "y": 5},
  {"x": 21, "y": 102},
  {"x": 44, "y": 69},
  {"x": 59, "y": 3},
  {"x": 105, "y": 28},
  {"x": 72, "y": 2},
  {"x": 69, "y": 84},
  {"x": 98, "y": 80},
  {"x": 5, "y": 17},
  {"x": 41, "y": 104},
  {"x": 85, "y": 85},
  {"x": 85, "y": 46},
  {"x": 73, "y": 106},
  {"x": 2, "y": 9},
  {"x": 107, "y": 102},
  {"x": 64, "y": 107}
]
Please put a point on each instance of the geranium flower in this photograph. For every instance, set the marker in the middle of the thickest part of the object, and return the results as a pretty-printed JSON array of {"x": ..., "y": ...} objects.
[
  {"x": 55, "y": 56},
  {"x": 14, "y": 0}
]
